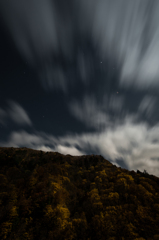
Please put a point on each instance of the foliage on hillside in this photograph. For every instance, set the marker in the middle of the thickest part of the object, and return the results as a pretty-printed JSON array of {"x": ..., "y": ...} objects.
[{"x": 52, "y": 196}]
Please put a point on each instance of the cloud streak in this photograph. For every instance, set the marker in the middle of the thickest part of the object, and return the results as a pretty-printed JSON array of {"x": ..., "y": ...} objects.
[
  {"x": 147, "y": 105},
  {"x": 137, "y": 144},
  {"x": 95, "y": 113},
  {"x": 125, "y": 32},
  {"x": 16, "y": 113}
]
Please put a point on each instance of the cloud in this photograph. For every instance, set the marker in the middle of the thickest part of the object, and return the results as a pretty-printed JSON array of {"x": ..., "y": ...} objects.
[
  {"x": 96, "y": 113},
  {"x": 125, "y": 32},
  {"x": 40, "y": 141},
  {"x": 147, "y": 105},
  {"x": 89, "y": 112},
  {"x": 68, "y": 150},
  {"x": 136, "y": 144},
  {"x": 116, "y": 103},
  {"x": 18, "y": 114},
  {"x": 32, "y": 26},
  {"x": 42, "y": 32}
]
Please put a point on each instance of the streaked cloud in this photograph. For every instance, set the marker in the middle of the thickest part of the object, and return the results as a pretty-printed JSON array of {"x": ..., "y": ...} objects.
[
  {"x": 137, "y": 144},
  {"x": 125, "y": 32},
  {"x": 68, "y": 150},
  {"x": 116, "y": 103},
  {"x": 18, "y": 114},
  {"x": 147, "y": 105},
  {"x": 89, "y": 112},
  {"x": 96, "y": 114}
]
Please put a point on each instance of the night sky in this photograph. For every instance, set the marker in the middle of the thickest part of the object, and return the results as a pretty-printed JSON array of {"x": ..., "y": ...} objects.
[{"x": 82, "y": 77}]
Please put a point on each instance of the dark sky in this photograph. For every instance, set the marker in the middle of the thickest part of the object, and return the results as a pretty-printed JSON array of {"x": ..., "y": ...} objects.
[{"x": 82, "y": 77}]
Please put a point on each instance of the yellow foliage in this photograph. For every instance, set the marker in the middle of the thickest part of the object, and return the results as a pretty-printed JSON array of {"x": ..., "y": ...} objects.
[
  {"x": 102, "y": 173},
  {"x": 66, "y": 179},
  {"x": 131, "y": 228},
  {"x": 27, "y": 236},
  {"x": 93, "y": 185},
  {"x": 92, "y": 168},
  {"x": 98, "y": 179},
  {"x": 79, "y": 222},
  {"x": 94, "y": 195},
  {"x": 98, "y": 205},
  {"x": 143, "y": 212},
  {"x": 148, "y": 186},
  {"x": 129, "y": 177},
  {"x": 146, "y": 193},
  {"x": 121, "y": 174},
  {"x": 62, "y": 211},
  {"x": 13, "y": 212},
  {"x": 67, "y": 165},
  {"x": 55, "y": 187},
  {"x": 113, "y": 195},
  {"x": 48, "y": 211},
  {"x": 5, "y": 229},
  {"x": 122, "y": 180},
  {"x": 62, "y": 223},
  {"x": 126, "y": 176},
  {"x": 80, "y": 172},
  {"x": 84, "y": 181},
  {"x": 33, "y": 181}
]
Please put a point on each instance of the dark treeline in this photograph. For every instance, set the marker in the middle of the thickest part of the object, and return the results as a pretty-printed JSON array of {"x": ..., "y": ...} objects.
[{"x": 54, "y": 197}]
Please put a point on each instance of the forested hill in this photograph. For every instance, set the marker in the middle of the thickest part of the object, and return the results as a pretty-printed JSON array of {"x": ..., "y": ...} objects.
[{"x": 47, "y": 195}]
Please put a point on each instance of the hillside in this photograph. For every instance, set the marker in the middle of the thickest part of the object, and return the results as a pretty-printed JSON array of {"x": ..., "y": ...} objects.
[{"x": 47, "y": 195}]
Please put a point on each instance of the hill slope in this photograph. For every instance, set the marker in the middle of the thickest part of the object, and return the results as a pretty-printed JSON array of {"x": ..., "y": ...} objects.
[{"x": 54, "y": 196}]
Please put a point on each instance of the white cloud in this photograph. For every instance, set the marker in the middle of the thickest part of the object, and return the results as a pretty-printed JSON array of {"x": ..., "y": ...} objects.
[
  {"x": 18, "y": 114},
  {"x": 95, "y": 114},
  {"x": 126, "y": 32},
  {"x": 68, "y": 150},
  {"x": 136, "y": 143},
  {"x": 89, "y": 112}
]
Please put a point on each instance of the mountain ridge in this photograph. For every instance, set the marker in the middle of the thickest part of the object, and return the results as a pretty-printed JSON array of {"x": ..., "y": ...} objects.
[{"x": 48, "y": 195}]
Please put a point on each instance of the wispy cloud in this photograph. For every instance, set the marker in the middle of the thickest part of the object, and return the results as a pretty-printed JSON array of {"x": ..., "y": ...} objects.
[
  {"x": 18, "y": 114},
  {"x": 96, "y": 114},
  {"x": 69, "y": 150},
  {"x": 89, "y": 112},
  {"x": 125, "y": 32},
  {"x": 147, "y": 105},
  {"x": 137, "y": 144},
  {"x": 42, "y": 31}
]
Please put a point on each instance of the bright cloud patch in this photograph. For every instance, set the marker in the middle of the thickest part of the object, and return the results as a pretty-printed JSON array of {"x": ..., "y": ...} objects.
[{"x": 137, "y": 144}]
